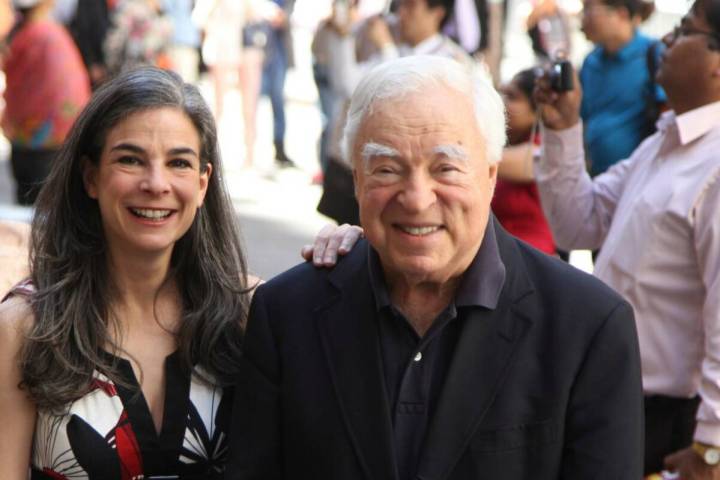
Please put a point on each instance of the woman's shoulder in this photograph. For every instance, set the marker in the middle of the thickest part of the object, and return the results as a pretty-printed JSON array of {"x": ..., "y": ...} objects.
[{"x": 16, "y": 319}]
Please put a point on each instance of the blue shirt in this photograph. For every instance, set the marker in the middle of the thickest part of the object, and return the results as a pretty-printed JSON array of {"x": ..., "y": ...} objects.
[{"x": 616, "y": 93}]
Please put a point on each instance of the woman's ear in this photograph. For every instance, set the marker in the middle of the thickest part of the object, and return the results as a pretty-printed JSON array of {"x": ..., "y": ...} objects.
[
  {"x": 89, "y": 175},
  {"x": 204, "y": 181}
]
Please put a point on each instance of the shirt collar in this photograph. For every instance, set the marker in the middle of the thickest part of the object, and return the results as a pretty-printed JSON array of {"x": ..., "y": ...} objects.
[
  {"x": 696, "y": 123},
  {"x": 428, "y": 46},
  {"x": 630, "y": 48},
  {"x": 480, "y": 285}
]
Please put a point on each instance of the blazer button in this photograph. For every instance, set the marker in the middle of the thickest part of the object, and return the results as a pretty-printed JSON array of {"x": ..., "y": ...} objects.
[{"x": 418, "y": 356}]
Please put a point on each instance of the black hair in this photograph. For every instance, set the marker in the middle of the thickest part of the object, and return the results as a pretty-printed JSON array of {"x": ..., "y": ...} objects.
[
  {"x": 525, "y": 80},
  {"x": 448, "y": 5}
]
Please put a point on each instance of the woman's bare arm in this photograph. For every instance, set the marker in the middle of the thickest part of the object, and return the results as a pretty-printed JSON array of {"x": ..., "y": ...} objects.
[{"x": 17, "y": 412}]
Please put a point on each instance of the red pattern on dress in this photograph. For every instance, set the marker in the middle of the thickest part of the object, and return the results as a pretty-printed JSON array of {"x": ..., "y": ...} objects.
[
  {"x": 128, "y": 449},
  {"x": 54, "y": 474}
]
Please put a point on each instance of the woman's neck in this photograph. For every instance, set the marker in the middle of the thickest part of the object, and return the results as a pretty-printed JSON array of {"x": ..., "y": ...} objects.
[{"x": 139, "y": 280}]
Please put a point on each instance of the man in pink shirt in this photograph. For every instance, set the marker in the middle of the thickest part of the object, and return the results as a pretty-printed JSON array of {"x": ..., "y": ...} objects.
[{"x": 656, "y": 217}]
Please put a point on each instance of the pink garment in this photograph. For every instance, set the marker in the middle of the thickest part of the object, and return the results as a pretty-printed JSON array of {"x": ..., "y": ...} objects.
[
  {"x": 47, "y": 85},
  {"x": 655, "y": 215}
]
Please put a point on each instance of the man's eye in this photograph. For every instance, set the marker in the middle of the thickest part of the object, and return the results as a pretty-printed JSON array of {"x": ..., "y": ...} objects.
[
  {"x": 448, "y": 168},
  {"x": 384, "y": 171}
]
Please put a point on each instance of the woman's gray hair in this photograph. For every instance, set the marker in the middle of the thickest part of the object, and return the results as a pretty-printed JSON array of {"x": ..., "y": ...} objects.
[{"x": 396, "y": 78}]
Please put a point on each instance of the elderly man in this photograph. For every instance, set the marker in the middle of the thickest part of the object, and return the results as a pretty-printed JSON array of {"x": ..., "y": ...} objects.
[
  {"x": 656, "y": 217},
  {"x": 442, "y": 347}
]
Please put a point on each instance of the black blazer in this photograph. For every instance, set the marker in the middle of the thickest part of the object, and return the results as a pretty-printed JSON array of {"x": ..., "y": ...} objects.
[{"x": 546, "y": 386}]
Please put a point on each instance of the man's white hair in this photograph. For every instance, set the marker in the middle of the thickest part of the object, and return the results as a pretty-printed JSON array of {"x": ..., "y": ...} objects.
[{"x": 400, "y": 77}]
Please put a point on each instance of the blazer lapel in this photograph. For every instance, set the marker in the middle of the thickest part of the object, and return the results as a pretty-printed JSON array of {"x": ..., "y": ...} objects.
[
  {"x": 482, "y": 357},
  {"x": 350, "y": 339}
]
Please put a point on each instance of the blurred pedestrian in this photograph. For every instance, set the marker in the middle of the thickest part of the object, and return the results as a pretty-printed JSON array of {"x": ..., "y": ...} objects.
[
  {"x": 516, "y": 202},
  {"x": 549, "y": 30},
  {"x": 140, "y": 34},
  {"x": 89, "y": 28},
  {"x": 47, "y": 86},
  {"x": 278, "y": 58},
  {"x": 184, "y": 49},
  {"x": 622, "y": 100},
  {"x": 655, "y": 215}
]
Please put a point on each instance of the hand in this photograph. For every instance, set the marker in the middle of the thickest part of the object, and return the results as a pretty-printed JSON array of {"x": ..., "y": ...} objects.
[
  {"x": 330, "y": 242},
  {"x": 378, "y": 31},
  {"x": 690, "y": 466},
  {"x": 279, "y": 20},
  {"x": 559, "y": 110}
]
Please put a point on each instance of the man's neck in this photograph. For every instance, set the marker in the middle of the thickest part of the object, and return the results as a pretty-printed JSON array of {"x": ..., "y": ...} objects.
[
  {"x": 618, "y": 41},
  {"x": 421, "y": 303},
  {"x": 423, "y": 39},
  {"x": 684, "y": 104}
]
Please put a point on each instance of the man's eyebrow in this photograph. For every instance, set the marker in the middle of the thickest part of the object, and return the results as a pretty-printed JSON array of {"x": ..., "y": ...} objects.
[
  {"x": 452, "y": 151},
  {"x": 372, "y": 149}
]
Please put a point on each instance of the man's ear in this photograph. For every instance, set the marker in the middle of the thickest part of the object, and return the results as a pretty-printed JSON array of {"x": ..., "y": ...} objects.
[
  {"x": 355, "y": 182},
  {"x": 89, "y": 176}
]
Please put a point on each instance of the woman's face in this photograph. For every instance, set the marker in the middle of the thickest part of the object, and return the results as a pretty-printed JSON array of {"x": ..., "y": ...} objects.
[
  {"x": 148, "y": 182},
  {"x": 520, "y": 114}
]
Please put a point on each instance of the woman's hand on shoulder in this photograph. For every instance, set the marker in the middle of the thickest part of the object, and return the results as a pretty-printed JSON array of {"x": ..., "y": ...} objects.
[
  {"x": 17, "y": 412},
  {"x": 331, "y": 242}
]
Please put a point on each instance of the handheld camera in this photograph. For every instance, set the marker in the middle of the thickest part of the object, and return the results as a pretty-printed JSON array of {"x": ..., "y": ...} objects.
[{"x": 560, "y": 75}]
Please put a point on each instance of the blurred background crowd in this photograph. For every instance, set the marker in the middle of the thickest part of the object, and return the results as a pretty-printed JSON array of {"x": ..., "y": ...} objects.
[{"x": 278, "y": 74}]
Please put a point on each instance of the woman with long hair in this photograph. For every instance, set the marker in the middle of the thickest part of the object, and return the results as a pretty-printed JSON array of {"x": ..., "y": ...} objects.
[{"x": 116, "y": 355}]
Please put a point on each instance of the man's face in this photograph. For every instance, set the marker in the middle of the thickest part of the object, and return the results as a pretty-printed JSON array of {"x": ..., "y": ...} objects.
[
  {"x": 423, "y": 184},
  {"x": 600, "y": 21},
  {"x": 689, "y": 64},
  {"x": 417, "y": 21}
]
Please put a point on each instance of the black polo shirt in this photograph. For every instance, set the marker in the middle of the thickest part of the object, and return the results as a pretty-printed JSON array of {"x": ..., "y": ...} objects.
[{"x": 415, "y": 367}]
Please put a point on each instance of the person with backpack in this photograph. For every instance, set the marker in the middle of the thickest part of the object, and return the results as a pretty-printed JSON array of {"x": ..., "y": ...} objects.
[{"x": 621, "y": 101}]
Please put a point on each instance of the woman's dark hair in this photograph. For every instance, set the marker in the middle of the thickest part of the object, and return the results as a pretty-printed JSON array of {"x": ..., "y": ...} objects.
[
  {"x": 73, "y": 325},
  {"x": 525, "y": 80}
]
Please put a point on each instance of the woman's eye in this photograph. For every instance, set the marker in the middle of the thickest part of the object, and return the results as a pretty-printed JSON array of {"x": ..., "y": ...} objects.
[
  {"x": 129, "y": 160},
  {"x": 180, "y": 163}
]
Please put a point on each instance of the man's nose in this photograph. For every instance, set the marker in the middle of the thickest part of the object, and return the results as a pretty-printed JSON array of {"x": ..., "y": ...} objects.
[
  {"x": 155, "y": 180},
  {"x": 418, "y": 193}
]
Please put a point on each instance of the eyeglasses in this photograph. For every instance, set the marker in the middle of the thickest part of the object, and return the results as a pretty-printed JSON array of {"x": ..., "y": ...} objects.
[{"x": 685, "y": 31}]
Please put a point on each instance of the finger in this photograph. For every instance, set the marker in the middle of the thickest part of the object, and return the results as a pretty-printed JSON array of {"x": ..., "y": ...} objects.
[
  {"x": 351, "y": 237},
  {"x": 670, "y": 462},
  {"x": 331, "y": 251},
  {"x": 321, "y": 241},
  {"x": 307, "y": 252}
]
